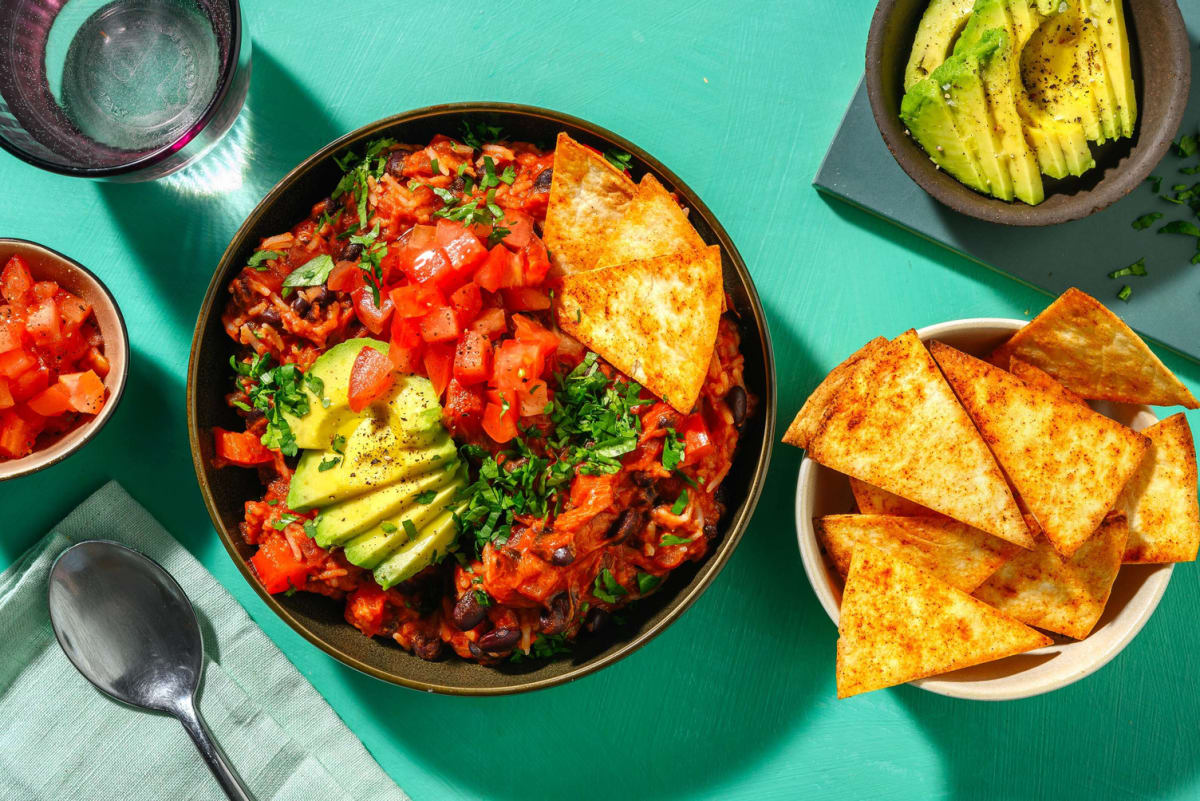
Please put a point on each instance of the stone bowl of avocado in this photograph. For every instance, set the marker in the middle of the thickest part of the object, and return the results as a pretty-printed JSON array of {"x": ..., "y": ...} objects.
[
  {"x": 1028, "y": 112},
  {"x": 320, "y": 620}
]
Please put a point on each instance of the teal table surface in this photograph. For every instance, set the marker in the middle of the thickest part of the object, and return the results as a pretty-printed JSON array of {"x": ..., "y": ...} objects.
[{"x": 736, "y": 700}]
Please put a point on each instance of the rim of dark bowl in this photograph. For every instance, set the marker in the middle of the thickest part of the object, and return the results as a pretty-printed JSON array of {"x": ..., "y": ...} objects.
[
  {"x": 707, "y": 570},
  {"x": 1168, "y": 53}
]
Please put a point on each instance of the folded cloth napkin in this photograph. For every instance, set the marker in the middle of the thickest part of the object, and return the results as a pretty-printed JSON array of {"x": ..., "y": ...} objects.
[{"x": 63, "y": 740}]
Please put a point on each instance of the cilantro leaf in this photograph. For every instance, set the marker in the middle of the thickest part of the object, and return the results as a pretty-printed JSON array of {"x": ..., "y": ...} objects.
[
  {"x": 1155, "y": 182},
  {"x": 273, "y": 391},
  {"x": 1146, "y": 220},
  {"x": 388, "y": 527},
  {"x": 1137, "y": 268},
  {"x": 671, "y": 539},
  {"x": 256, "y": 261},
  {"x": 476, "y": 136},
  {"x": 606, "y": 587},
  {"x": 312, "y": 273},
  {"x": 618, "y": 159},
  {"x": 1187, "y": 146},
  {"x": 673, "y": 450},
  {"x": 1125, "y": 292},
  {"x": 647, "y": 582},
  {"x": 680, "y": 504},
  {"x": 329, "y": 464},
  {"x": 426, "y": 497},
  {"x": 410, "y": 528},
  {"x": 1180, "y": 227},
  {"x": 339, "y": 444}
]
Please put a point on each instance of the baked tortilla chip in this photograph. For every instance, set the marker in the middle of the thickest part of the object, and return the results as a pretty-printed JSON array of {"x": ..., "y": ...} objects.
[
  {"x": 899, "y": 623},
  {"x": 1067, "y": 596},
  {"x": 872, "y": 500},
  {"x": 959, "y": 555},
  {"x": 1160, "y": 500},
  {"x": 1091, "y": 352},
  {"x": 1067, "y": 462},
  {"x": 804, "y": 425},
  {"x": 1037, "y": 377},
  {"x": 652, "y": 225},
  {"x": 654, "y": 320},
  {"x": 894, "y": 422},
  {"x": 587, "y": 198}
]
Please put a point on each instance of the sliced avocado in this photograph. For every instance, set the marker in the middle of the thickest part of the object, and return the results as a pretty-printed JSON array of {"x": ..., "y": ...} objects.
[
  {"x": 373, "y": 547},
  {"x": 1109, "y": 19},
  {"x": 930, "y": 121},
  {"x": 940, "y": 26},
  {"x": 342, "y": 521},
  {"x": 419, "y": 553},
  {"x": 1046, "y": 136},
  {"x": 1064, "y": 75},
  {"x": 373, "y": 459},
  {"x": 411, "y": 404},
  {"x": 1001, "y": 82}
]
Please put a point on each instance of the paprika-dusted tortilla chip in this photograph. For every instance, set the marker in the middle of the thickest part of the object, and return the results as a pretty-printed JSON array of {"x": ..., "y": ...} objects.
[
  {"x": 1064, "y": 595},
  {"x": 654, "y": 320},
  {"x": 1067, "y": 462},
  {"x": 954, "y": 552},
  {"x": 899, "y": 623},
  {"x": 895, "y": 423},
  {"x": 872, "y": 500},
  {"x": 1037, "y": 377},
  {"x": 652, "y": 225},
  {"x": 1091, "y": 352},
  {"x": 1160, "y": 500},
  {"x": 587, "y": 198},
  {"x": 809, "y": 416}
]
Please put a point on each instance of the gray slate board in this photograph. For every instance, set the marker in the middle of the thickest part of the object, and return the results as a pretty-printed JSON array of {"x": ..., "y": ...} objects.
[{"x": 1165, "y": 304}]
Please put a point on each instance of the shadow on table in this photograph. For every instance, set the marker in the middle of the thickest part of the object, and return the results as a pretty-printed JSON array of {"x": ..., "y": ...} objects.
[
  {"x": 1128, "y": 731},
  {"x": 701, "y": 704},
  {"x": 179, "y": 226}
]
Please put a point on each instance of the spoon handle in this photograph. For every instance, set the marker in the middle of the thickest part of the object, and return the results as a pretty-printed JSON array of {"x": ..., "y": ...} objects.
[{"x": 218, "y": 763}]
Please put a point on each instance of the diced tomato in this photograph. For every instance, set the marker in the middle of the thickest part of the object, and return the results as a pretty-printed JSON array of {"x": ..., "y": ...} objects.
[
  {"x": 74, "y": 310},
  {"x": 11, "y": 332},
  {"x": 43, "y": 322},
  {"x": 365, "y": 606},
  {"x": 15, "y": 362},
  {"x": 346, "y": 276},
  {"x": 406, "y": 347},
  {"x": 534, "y": 333},
  {"x": 426, "y": 266},
  {"x": 422, "y": 237},
  {"x": 439, "y": 365},
  {"x": 473, "y": 358},
  {"x": 371, "y": 376},
  {"x": 52, "y": 401},
  {"x": 491, "y": 323},
  {"x": 502, "y": 268},
  {"x": 30, "y": 383},
  {"x": 463, "y": 404},
  {"x": 44, "y": 289},
  {"x": 520, "y": 229},
  {"x": 570, "y": 350},
  {"x": 465, "y": 253},
  {"x": 446, "y": 231},
  {"x": 535, "y": 262},
  {"x": 6, "y": 398},
  {"x": 500, "y": 424},
  {"x": 525, "y": 298},
  {"x": 97, "y": 361},
  {"x": 534, "y": 399},
  {"x": 276, "y": 565},
  {"x": 467, "y": 303},
  {"x": 697, "y": 441},
  {"x": 240, "y": 448},
  {"x": 440, "y": 325},
  {"x": 518, "y": 365},
  {"x": 415, "y": 300},
  {"x": 86, "y": 391},
  {"x": 15, "y": 280},
  {"x": 374, "y": 317}
]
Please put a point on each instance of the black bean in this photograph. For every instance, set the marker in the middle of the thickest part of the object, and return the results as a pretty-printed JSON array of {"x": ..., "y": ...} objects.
[
  {"x": 427, "y": 647},
  {"x": 711, "y": 531},
  {"x": 562, "y": 556},
  {"x": 350, "y": 252},
  {"x": 643, "y": 479},
  {"x": 500, "y": 641},
  {"x": 625, "y": 526},
  {"x": 458, "y": 184},
  {"x": 327, "y": 206},
  {"x": 300, "y": 304},
  {"x": 395, "y": 164},
  {"x": 254, "y": 415},
  {"x": 318, "y": 295},
  {"x": 468, "y": 612},
  {"x": 596, "y": 620},
  {"x": 270, "y": 315},
  {"x": 543, "y": 181},
  {"x": 736, "y": 400},
  {"x": 554, "y": 617}
]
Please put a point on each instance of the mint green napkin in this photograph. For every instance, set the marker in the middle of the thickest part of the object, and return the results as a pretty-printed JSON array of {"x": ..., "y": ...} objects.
[{"x": 62, "y": 739}]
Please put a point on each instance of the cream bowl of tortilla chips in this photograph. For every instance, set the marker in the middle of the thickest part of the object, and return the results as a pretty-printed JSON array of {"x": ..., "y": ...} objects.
[{"x": 1021, "y": 608}]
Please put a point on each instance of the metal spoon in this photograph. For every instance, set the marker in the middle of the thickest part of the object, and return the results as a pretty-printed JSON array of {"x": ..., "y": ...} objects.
[{"x": 128, "y": 627}]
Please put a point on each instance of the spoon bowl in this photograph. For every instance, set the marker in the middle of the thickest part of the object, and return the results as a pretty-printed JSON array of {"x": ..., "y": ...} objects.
[{"x": 130, "y": 629}]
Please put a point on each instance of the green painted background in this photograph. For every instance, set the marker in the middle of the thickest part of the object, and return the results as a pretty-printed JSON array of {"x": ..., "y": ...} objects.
[{"x": 736, "y": 700}]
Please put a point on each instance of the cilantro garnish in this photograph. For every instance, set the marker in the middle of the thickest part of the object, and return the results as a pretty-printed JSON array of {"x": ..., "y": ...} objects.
[
  {"x": 1180, "y": 227},
  {"x": 426, "y": 497},
  {"x": 310, "y": 528},
  {"x": 338, "y": 445},
  {"x": 618, "y": 159},
  {"x": 328, "y": 464},
  {"x": 1125, "y": 292},
  {"x": 388, "y": 527},
  {"x": 285, "y": 519},
  {"x": 371, "y": 260},
  {"x": 544, "y": 647},
  {"x": 606, "y": 587},
  {"x": 647, "y": 581},
  {"x": 1137, "y": 268},
  {"x": 256, "y": 261},
  {"x": 433, "y": 165},
  {"x": 673, "y": 450},
  {"x": 1189, "y": 170},
  {"x": 482, "y": 598},
  {"x": 671, "y": 539},
  {"x": 313, "y": 272},
  {"x": 1155, "y": 183},
  {"x": 680, "y": 504},
  {"x": 1187, "y": 146},
  {"x": 410, "y": 528},
  {"x": 1146, "y": 220},
  {"x": 356, "y": 180},
  {"x": 476, "y": 136},
  {"x": 274, "y": 390}
]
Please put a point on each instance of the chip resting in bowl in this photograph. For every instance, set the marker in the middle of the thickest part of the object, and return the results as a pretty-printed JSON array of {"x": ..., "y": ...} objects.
[{"x": 925, "y": 433}]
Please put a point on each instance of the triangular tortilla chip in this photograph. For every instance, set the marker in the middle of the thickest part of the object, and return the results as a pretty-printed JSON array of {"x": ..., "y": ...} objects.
[
  {"x": 1160, "y": 500},
  {"x": 895, "y": 423},
  {"x": 654, "y": 320},
  {"x": 1037, "y": 377},
  {"x": 959, "y": 555},
  {"x": 872, "y": 500},
  {"x": 1043, "y": 589},
  {"x": 1091, "y": 352},
  {"x": 652, "y": 225},
  {"x": 587, "y": 198},
  {"x": 809, "y": 417},
  {"x": 1067, "y": 462},
  {"x": 899, "y": 623}
]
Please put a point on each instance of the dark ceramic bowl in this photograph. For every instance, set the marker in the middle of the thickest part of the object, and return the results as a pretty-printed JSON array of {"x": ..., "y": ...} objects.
[
  {"x": 1162, "y": 76},
  {"x": 320, "y": 619}
]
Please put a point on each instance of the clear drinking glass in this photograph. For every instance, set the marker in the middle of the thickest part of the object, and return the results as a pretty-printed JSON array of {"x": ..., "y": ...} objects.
[{"x": 125, "y": 90}]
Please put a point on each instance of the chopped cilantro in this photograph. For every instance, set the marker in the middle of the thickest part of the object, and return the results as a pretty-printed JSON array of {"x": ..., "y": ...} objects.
[
  {"x": 329, "y": 464},
  {"x": 476, "y": 136},
  {"x": 1180, "y": 227},
  {"x": 273, "y": 391},
  {"x": 671, "y": 539},
  {"x": 482, "y": 598},
  {"x": 544, "y": 647},
  {"x": 256, "y": 261},
  {"x": 680, "y": 504},
  {"x": 339, "y": 444},
  {"x": 388, "y": 526},
  {"x": 1187, "y": 146},
  {"x": 410, "y": 528},
  {"x": 1146, "y": 220},
  {"x": 1137, "y": 268},
  {"x": 1125, "y": 292},
  {"x": 433, "y": 165},
  {"x": 1155, "y": 183},
  {"x": 426, "y": 497},
  {"x": 606, "y": 587},
  {"x": 647, "y": 582},
  {"x": 509, "y": 175},
  {"x": 310, "y": 528},
  {"x": 618, "y": 159},
  {"x": 1190, "y": 170},
  {"x": 356, "y": 180},
  {"x": 285, "y": 519},
  {"x": 312, "y": 273},
  {"x": 673, "y": 450},
  {"x": 371, "y": 260}
]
